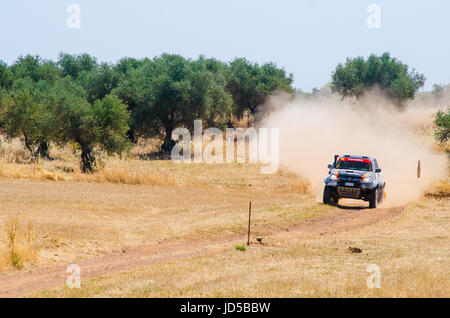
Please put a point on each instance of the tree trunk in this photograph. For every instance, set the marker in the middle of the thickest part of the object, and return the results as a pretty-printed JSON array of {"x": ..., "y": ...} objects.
[
  {"x": 229, "y": 123},
  {"x": 43, "y": 150},
  {"x": 132, "y": 135},
  {"x": 29, "y": 145},
  {"x": 168, "y": 143},
  {"x": 87, "y": 159}
]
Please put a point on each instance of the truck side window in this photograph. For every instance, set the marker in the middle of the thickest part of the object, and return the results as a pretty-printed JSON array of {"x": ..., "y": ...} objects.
[{"x": 376, "y": 163}]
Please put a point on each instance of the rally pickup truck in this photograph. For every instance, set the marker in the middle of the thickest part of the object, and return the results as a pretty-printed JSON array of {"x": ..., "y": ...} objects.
[{"x": 354, "y": 177}]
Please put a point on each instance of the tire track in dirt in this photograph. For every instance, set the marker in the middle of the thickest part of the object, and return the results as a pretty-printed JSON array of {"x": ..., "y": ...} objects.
[{"x": 26, "y": 283}]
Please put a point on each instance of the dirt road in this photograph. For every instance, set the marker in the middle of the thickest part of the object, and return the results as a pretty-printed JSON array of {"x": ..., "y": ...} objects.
[{"x": 26, "y": 283}]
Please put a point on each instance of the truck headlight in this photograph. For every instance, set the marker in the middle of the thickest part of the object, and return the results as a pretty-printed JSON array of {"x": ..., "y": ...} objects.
[
  {"x": 367, "y": 180},
  {"x": 333, "y": 177}
]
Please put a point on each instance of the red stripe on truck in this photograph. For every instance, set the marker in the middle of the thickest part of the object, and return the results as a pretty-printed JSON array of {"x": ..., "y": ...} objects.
[{"x": 355, "y": 159}]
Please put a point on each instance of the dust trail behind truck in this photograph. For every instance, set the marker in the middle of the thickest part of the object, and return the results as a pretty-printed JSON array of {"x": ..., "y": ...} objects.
[{"x": 312, "y": 130}]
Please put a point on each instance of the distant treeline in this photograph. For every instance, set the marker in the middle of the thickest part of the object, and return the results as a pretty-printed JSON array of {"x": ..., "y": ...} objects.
[{"x": 82, "y": 101}]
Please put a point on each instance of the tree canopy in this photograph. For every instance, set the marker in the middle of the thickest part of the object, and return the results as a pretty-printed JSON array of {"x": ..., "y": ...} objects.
[
  {"x": 250, "y": 84},
  {"x": 24, "y": 112},
  {"x": 106, "y": 105},
  {"x": 393, "y": 77},
  {"x": 175, "y": 92},
  {"x": 103, "y": 123}
]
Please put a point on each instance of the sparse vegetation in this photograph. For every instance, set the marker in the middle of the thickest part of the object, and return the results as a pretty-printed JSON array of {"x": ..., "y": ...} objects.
[
  {"x": 18, "y": 244},
  {"x": 129, "y": 202},
  {"x": 299, "y": 265},
  {"x": 442, "y": 122}
]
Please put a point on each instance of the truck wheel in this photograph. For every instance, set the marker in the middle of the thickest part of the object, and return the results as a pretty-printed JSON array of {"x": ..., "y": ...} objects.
[
  {"x": 373, "y": 198},
  {"x": 335, "y": 200},
  {"x": 326, "y": 195},
  {"x": 381, "y": 196}
]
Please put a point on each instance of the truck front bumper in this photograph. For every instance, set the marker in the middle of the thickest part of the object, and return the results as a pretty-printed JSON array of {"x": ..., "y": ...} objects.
[{"x": 350, "y": 190}]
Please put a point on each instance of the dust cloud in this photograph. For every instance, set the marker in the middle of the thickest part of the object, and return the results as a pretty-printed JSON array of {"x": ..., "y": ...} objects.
[{"x": 314, "y": 129}]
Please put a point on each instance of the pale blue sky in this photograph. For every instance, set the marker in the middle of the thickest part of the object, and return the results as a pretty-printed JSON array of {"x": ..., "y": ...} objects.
[{"x": 307, "y": 38}]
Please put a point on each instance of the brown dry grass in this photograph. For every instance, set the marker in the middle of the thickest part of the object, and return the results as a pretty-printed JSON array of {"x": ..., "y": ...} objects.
[
  {"x": 440, "y": 190},
  {"x": 134, "y": 202},
  {"x": 412, "y": 251},
  {"x": 13, "y": 151},
  {"x": 18, "y": 243},
  {"x": 296, "y": 183},
  {"x": 66, "y": 216},
  {"x": 115, "y": 172},
  {"x": 127, "y": 175}
]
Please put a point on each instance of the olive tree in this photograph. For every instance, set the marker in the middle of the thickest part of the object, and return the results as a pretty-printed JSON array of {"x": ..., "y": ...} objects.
[
  {"x": 25, "y": 113},
  {"x": 393, "y": 77},
  {"x": 442, "y": 122},
  {"x": 171, "y": 91},
  {"x": 251, "y": 84},
  {"x": 104, "y": 123}
]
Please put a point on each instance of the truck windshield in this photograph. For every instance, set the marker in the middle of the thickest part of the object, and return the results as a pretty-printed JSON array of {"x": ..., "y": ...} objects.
[{"x": 354, "y": 164}]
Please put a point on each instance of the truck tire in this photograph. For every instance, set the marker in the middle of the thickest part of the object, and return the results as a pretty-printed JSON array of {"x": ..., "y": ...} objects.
[
  {"x": 373, "y": 198},
  {"x": 326, "y": 195},
  {"x": 335, "y": 200},
  {"x": 380, "y": 196}
]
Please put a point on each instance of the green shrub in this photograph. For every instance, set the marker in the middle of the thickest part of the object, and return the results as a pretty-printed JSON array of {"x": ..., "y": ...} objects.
[{"x": 442, "y": 122}]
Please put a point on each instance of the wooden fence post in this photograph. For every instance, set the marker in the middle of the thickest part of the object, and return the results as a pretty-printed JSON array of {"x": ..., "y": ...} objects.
[{"x": 249, "y": 218}]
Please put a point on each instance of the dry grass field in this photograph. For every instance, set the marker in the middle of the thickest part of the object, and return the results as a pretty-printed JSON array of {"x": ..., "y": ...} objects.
[
  {"x": 153, "y": 228},
  {"x": 72, "y": 216},
  {"x": 412, "y": 250}
]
